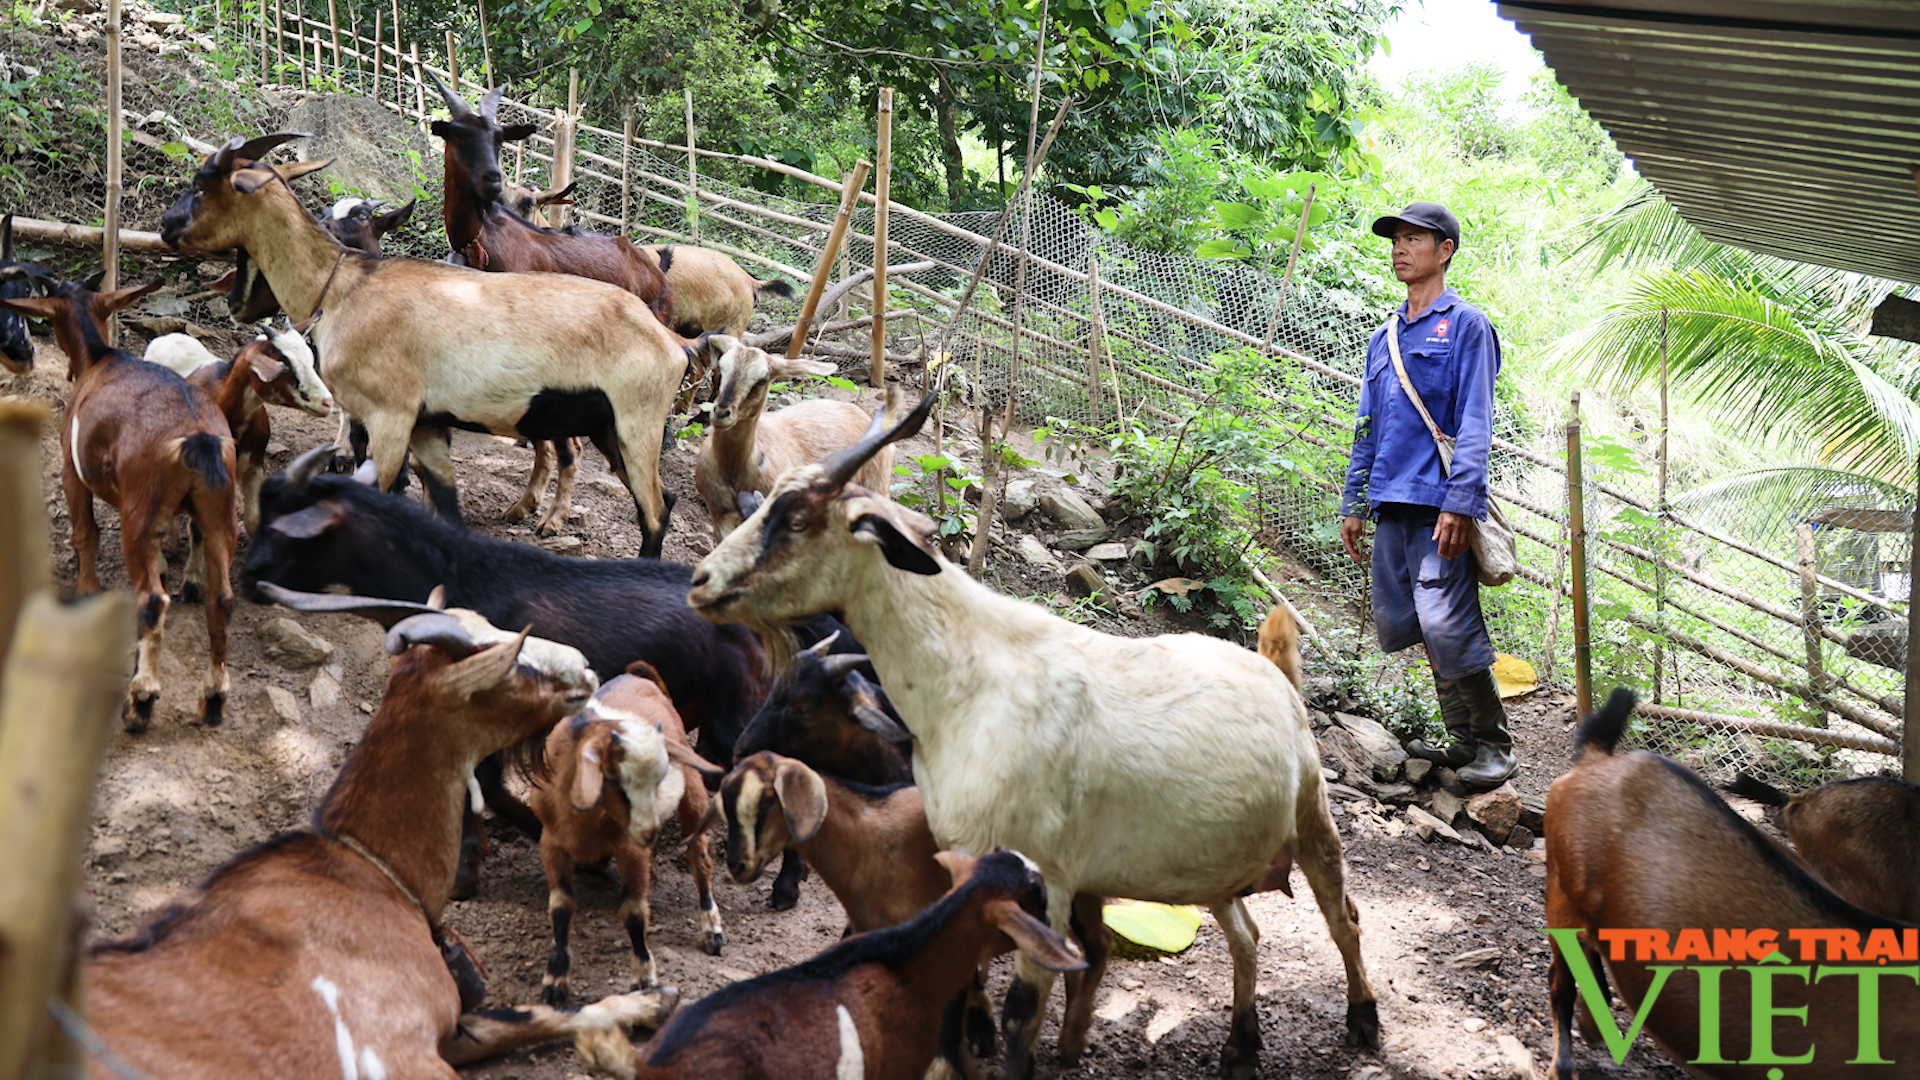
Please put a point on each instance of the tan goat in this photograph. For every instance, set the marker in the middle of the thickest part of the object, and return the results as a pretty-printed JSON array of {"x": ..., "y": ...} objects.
[{"x": 711, "y": 293}]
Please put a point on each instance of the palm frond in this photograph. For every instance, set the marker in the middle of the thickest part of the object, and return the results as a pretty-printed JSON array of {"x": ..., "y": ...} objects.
[{"x": 1763, "y": 504}]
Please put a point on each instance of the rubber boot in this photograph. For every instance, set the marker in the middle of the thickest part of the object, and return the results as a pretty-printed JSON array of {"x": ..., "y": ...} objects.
[
  {"x": 1457, "y": 715},
  {"x": 1493, "y": 759}
]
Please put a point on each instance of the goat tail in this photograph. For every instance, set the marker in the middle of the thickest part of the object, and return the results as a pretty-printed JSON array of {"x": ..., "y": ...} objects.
[
  {"x": 1603, "y": 729},
  {"x": 205, "y": 454},
  {"x": 774, "y": 287},
  {"x": 640, "y": 669},
  {"x": 1280, "y": 643},
  {"x": 1749, "y": 787}
]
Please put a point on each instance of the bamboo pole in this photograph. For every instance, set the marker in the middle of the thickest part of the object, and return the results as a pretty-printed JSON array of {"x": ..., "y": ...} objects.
[
  {"x": 266, "y": 47},
  {"x": 1279, "y": 297},
  {"x": 23, "y": 543},
  {"x": 61, "y": 234},
  {"x": 565, "y": 125},
  {"x": 420, "y": 92},
  {"x": 65, "y": 677},
  {"x": 486, "y": 45},
  {"x": 300, "y": 33},
  {"x": 883, "y": 195},
  {"x": 626, "y": 175},
  {"x": 1771, "y": 728},
  {"x": 1094, "y": 342},
  {"x": 399, "y": 63},
  {"x": 693, "y": 172},
  {"x": 378, "y": 63},
  {"x": 1909, "y": 745},
  {"x": 1810, "y": 604},
  {"x": 849, "y": 192},
  {"x": 1577, "y": 542},
  {"x": 1660, "y": 501},
  {"x": 279, "y": 36},
  {"x": 453, "y": 63},
  {"x": 110, "y": 232},
  {"x": 333, "y": 27},
  {"x": 353, "y": 34}
]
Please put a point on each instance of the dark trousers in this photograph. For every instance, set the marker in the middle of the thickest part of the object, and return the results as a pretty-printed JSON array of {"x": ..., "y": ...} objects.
[{"x": 1419, "y": 596}]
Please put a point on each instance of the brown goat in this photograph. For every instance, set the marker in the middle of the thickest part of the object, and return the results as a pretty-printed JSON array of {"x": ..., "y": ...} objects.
[
  {"x": 873, "y": 1005},
  {"x": 154, "y": 446},
  {"x": 711, "y": 293},
  {"x": 314, "y": 954},
  {"x": 628, "y": 740},
  {"x": 1637, "y": 842},
  {"x": 1861, "y": 836}
]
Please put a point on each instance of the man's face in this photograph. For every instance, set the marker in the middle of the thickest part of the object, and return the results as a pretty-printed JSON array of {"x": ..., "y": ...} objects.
[{"x": 1416, "y": 257}]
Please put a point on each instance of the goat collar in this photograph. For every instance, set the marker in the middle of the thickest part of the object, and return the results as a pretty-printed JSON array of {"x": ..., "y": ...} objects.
[
  {"x": 360, "y": 849},
  {"x": 319, "y": 304},
  {"x": 475, "y": 255}
]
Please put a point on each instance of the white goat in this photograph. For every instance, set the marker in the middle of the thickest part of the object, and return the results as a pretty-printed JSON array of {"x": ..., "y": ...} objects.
[
  {"x": 747, "y": 448},
  {"x": 1179, "y": 768}
]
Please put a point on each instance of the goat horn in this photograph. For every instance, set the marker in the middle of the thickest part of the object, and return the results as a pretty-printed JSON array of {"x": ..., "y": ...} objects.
[
  {"x": 255, "y": 148},
  {"x": 839, "y": 664},
  {"x": 387, "y": 613},
  {"x": 825, "y": 645},
  {"x": 6, "y": 238},
  {"x": 456, "y": 104},
  {"x": 490, "y": 104},
  {"x": 841, "y": 465},
  {"x": 309, "y": 464},
  {"x": 435, "y": 628}
]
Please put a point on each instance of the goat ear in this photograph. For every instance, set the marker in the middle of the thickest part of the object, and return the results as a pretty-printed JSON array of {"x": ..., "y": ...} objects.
[
  {"x": 306, "y": 324},
  {"x": 393, "y": 219},
  {"x": 253, "y": 178},
  {"x": 321, "y": 517},
  {"x": 35, "y": 307},
  {"x": 297, "y": 169},
  {"x": 904, "y": 536},
  {"x": 266, "y": 368},
  {"x": 441, "y": 129},
  {"x": 517, "y": 132},
  {"x": 120, "y": 298},
  {"x": 1035, "y": 939},
  {"x": 958, "y": 863},
  {"x": 682, "y": 754},
  {"x": 748, "y": 502},
  {"x": 870, "y": 710},
  {"x": 787, "y": 369},
  {"x": 487, "y": 668},
  {"x": 589, "y": 778},
  {"x": 803, "y": 798},
  {"x": 438, "y": 598}
]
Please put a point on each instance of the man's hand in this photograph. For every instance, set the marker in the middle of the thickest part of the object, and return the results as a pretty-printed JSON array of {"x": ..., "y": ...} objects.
[
  {"x": 1452, "y": 533},
  {"x": 1353, "y": 532}
]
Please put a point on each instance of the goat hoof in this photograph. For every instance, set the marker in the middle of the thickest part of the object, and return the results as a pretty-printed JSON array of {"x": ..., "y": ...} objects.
[
  {"x": 190, "y": 593},
  {"x": 553, "y": 992},
  {"x": 785, "y": 899},
  {"x": 341, "y": 465},
  {"x": 138, "y": 714},
  {"x": 1363, "y": 1024},
  {"x": 466, "y": 883},
  {"x": 713, "y": 943},
  {"x": 981, "y": 1038},
  {"x": 214, "y": 709},
  {"x": 516, "y": 513}
]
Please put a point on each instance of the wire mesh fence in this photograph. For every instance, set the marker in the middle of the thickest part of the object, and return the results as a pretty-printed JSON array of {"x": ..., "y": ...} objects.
[{"x": 1764, "y": 636}]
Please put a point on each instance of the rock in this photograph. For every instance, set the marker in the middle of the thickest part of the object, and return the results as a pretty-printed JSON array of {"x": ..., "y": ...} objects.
[
  {"x": 1497, "y": 811},
  {"x": 324, "y": 692},
  {"x": 1446, "y": 805},
  {"x": 1342, "y": 791},
  {"x": 1520, "y": 839},
  {"x": 1065, "y": 506},
  {"x": 1319, "y": 719},
  {"x": 1107, "y": 552},
  {"x": 1417, "y": 769},
  {"x": 1398, "y": 794},
  {"x": 564, "y": 544},
  {"x": 293, "y": 645},
  {"x": 1350, "y": 758},
  {"x": 367, "y": 707},
  {"x": 1474, "y": 1023},
  {"x": 367, "y": 142},
  {"x": 1036, "y": 554},
  {"x": 84, "y": 7},
  {"x": 160, "y": 19},
  {"x": 1082, "y": 539},
  {"x": 1427, "y": 825},
  {"x": 284, "y": 703},
  {"x": 1533, "y": 813},
  {"x": 1085, "y": 580},
  {"x": 1318, "y": 688},
  {"x": 1519, "y": 1058},
  {"x": 1488, "y": 957},
  {"x": 1379, "y": 743},
  {"x": 1449, "y": 781},
  {"x": 1019, "y": 500}
]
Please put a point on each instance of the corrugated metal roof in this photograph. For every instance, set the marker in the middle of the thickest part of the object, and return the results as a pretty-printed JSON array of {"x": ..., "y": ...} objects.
[{"x": 1786, "y": 128}]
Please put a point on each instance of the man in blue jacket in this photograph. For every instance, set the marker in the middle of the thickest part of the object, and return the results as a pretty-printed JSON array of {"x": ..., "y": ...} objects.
[{"x": 1426, "y": 583}]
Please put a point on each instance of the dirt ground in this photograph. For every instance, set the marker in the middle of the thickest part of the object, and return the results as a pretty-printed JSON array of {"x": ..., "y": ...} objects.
[{"x": 175, "y": 802}]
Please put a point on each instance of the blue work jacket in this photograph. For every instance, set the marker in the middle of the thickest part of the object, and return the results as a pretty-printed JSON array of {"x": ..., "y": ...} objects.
[{"x": 1452, "y": 356}]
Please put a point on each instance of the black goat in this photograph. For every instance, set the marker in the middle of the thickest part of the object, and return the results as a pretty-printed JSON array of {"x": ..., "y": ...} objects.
[
  {"x": 16, "y": 346},
  {"x": 354, "y": 223}
]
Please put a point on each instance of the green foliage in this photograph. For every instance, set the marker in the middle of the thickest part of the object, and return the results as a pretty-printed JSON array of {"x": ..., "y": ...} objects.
[
  {"x": 952, "y": 515},
  {"x": 43, "y": 116}
]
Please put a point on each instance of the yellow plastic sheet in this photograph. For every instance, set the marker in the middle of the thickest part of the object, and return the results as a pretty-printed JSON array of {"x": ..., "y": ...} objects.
[
  {"x": 1513, "y": 676},
  {"x": 1162, "y": 927}
]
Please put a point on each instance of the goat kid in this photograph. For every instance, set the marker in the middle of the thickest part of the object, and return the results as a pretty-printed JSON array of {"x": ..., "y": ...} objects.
[
  {"x": 628, "y": 741},
  {"x": 747, "y": 448},
  {"x": 1199, "y": 780},
  {"x": 358, "y": 223},
  {"x": 1638, "y": 841},
  {"x": 314, "y": 954},
  {"x": 1859, "y": 835},
  {"x": 872, "y": 1005},
  {"x": 154, "y": 446},
  {"x": 415, "y": 348}
]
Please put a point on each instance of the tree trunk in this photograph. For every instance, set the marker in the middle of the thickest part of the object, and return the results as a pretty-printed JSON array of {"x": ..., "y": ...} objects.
[{"x": 944, "y": 108}]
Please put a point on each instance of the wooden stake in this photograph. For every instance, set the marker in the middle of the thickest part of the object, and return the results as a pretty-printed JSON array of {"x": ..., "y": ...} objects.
[
  {"x": 563, "y": 137},
  {"x": 110, "y": 247},
  {"x": 1577, "y": 543},
  {"x": 333, "y": 27},
  {"x": 882, "y": 196},
  {"x": 1810, "y": 608},
  {"x": 693, "y": 171},
  {"x": 1660, "y": 504},
  {"x": 359, "y": 54},
  {"x": 486, "y": 48},
  {"x": 420, "y": 90},
  {"x": 279, "y": 37},
  {"x": 849, "y": 194},
  {"x": 300, "y": 32},
  {"x": 399, "y": 63},
  {"x": 1910, "y": 731},
  {"x": 626, "y": 175},
  {"x": 266, "y": 47},
  {"x": 64, "y": 684},
  {"x": 378, "y": 63},
  {"x": 23, "y": 540},
  {"x": 453, "y": 64},
  {"x": 1094, "y": 342}
]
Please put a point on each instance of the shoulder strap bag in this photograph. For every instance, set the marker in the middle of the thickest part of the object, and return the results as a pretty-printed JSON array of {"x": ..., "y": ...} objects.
[{"x": 1493, "y": 543}]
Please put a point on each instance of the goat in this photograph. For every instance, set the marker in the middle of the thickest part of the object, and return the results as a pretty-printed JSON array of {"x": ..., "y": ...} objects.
[
  {"x": 526, "y": 202},
  {"x": 275, "y": 368},
  {"x": 1859, "y": 835},
  {"x": 315, "y": 954},
  {"x": 747, "y": 449},
  {"x": 873, "y": 1004},
  {"x": 16, "y": 344},
  {"x": 628, "y": 739},
  {"x": 711, "y": 293},
  {"x": 414, "y": 347},
  {"x": 154, "y": 446},
  {"x": 1637, "y": 842},
  {"x": 356, "y": 222},
  {"x": 1201, "y": 780}
]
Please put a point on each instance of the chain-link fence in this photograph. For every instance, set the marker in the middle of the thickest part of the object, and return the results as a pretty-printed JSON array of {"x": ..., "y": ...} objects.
[{"x": 1766, "y": 636}]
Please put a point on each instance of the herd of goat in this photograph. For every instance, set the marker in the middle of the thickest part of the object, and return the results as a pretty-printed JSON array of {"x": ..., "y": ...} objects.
[{"x": 824, "y": 687}]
